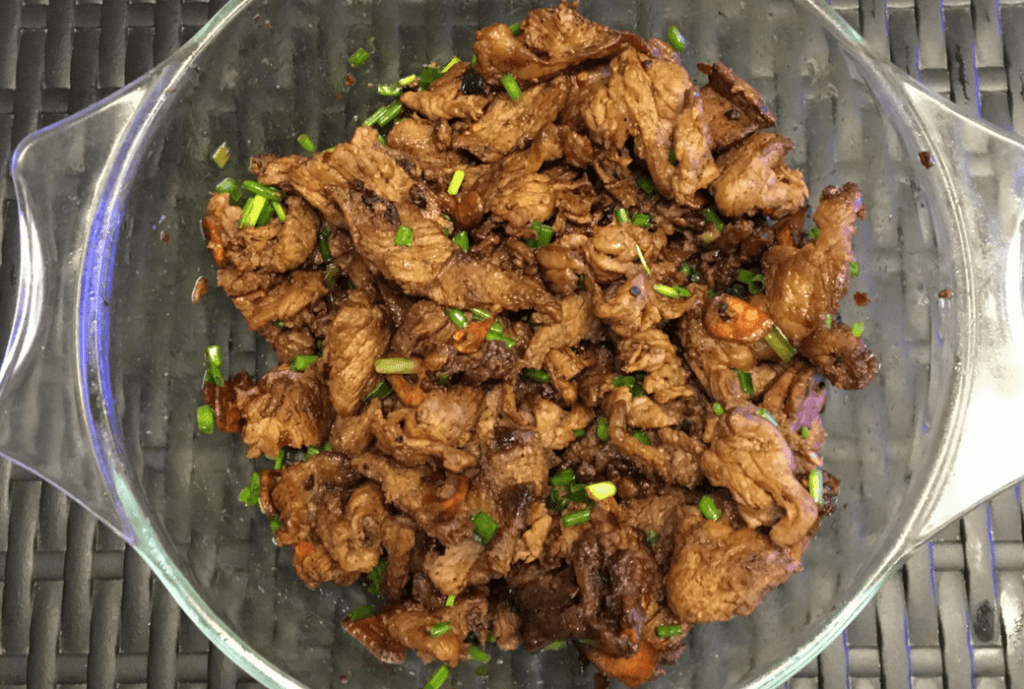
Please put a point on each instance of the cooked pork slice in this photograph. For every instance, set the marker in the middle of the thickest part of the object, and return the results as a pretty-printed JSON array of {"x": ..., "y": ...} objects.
[
  {"x": 359, "y": 335},
  {"x": 446, "y": 99},
  {"x": 754, "y": 178},
  {"x": 286, "y": 409},
  {"x": 732, "y": 108},
  {"x": 844, "y": 357}
]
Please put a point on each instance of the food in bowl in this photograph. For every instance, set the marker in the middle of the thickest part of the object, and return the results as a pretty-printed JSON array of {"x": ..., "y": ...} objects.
[{"x": 553, "y": 345}]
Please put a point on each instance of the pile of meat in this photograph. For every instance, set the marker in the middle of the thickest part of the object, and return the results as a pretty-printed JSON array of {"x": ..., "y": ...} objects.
[{"x": 603, "y": 117}]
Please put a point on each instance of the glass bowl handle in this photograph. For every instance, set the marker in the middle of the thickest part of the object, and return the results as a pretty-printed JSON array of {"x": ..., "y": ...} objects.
[
  {"x": 981, "y": 170},
  {"x": 47, "y": 410}
]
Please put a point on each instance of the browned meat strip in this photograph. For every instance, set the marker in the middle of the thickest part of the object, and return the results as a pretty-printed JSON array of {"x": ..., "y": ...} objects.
[
  {"x": 733, "y": 108},
  {"x": 445, "y": 99},
  {"x": 845, "y": 359},
  {"x": 286, "y": 409},
  {"x": 358, "y": 336},
  {"x": 754, "y": 178}
]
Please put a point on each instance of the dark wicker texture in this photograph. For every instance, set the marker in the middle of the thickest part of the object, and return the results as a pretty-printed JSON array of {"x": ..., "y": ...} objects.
[{"x": 79, "y": 608}]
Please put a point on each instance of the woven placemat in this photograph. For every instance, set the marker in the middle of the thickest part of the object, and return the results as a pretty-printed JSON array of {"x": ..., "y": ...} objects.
[{"x": 78, "y": 608}]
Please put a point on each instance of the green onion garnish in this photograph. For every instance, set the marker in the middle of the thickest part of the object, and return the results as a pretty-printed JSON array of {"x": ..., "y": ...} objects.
[
  {"x": 709, "y": 509},
  {"x": 641, "y": 219},
  {"x": 204, "y": 418},
  {"x": 451, "y": 63},
  {"x": 250, "y": 495},
  {"x": 390, "y": 90},
  {"x": 479, "y": 655},
  {"x": 403, "y": 237},
  {"x": 579, "y": 433},
  {"x": 359, "y": 57},
  {"x": 556, "y": 645},
  {"x": 213, "y": 355},
  {"x": 483, "y": 671},
  {"x": 222, "y": 155},
  {"x": 443, "y": 378},
  {"x": 428, "y": 76},
  {"x": 407, "y": 79},
  {"x": 556, "y": 501},
  {"x": 767, "y": 416},
  {"x": 450, "y": 600},
  {"x": 642, "y": 437},
  {"x": 303, "y": 361},
  {"x": 537, "y": 375},
  {"x": 562, "y": 477},
  {"x": 380, "y": 391},
  {"x": 828, "y": 320},
  {"x": 712, "y": 217},
  {"x": 376, "y": 575},
  {"x": 544, "y": 235},
  {"x": 229, "y": 186},
  {"x": 456, "y": 183},
  {"x": 675, "y": 38},
  {"x": 279, "y": 460},
  {"x": 331, "y": 276},
  {"x": 643, "y": 261},
  {"x": 652, "y": 536},
  {"x": 457, "y": 318},
  {"x": 275, "y": 523},
  {"x": 306, "y": 143},
  {"x": 780, "y": 344},
  {"x": 601, "y": 430},
  {"x": 718, "y": 409},
  {"x": 254, "y": 187},
  {"x": 268, "y": 210},
  {"x": 515, "y": 29},
  {"x": 461, "y": 240},
  {"x": 857, "y": 328},
  {"x": 746, "y": 381},
  {"x": 667, "y": 631},
  {"x": 511, "y": 87},
  {"x": 440, "y": 629},
  {"x": 671, "y": 292},
  {"x": 623, "y": 381},
  {"x": 672, "y": 160},
  {"x": 279, "y": 211},
  {"x": 686, "y": 269},
  {"x": 854, "y": 269},
  {"x": 576, "y": 518},
  {"x": 480, "y": 314},
  {"x": 390, "y": 113},
  {"x": 252, "y": 211},
  {"x": 621, "y": 216},
  {"x": 646, "y": 186},
  {"x": 440, "y": 675},
  {"x": 485, "y": 525},
  {"x": 805, "y": 432},
  {"x": 323, "y": 243},
  {"x": 601, "y": 491},
  {"x": 815, "y": 485},
  {"x": 757, "y": 284},
  {"x": 815, "y": 232},
  {"x": 396, "y": 365}
]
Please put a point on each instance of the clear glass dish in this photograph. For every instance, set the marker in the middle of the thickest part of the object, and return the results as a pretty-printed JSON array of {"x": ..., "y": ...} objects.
[{"x": 101, "y": 376}]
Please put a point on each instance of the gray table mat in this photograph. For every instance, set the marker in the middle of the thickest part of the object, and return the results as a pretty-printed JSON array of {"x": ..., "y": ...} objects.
[{"x": 78, "y": 608}]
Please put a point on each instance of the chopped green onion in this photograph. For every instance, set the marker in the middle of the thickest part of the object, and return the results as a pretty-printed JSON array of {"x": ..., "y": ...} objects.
[
  {"x": 480, "y": 314},
  {"x": 675, "y": 38},
  {"x": 461, "y": 240},
  {"x": 310, "y": 451},
  {"x": 482, "y": 671},
  {"x": 479, "y": 655},
  {"x": 275, "y": 524},
  {"x": 403, "y": 237},
  {"x": 222, "y": 155},
  {"x": 389, "y": 90},
  {"x": 652, "y": 537},
  {"x": 204, "y": 418},
  {"x": 602, "y": 429},
  {"x": 805, "y": 432},
  {"x": 254, "y": 187},
  {"x": 450, "y": 600},
  {"x": 556, "y": 501},
  {"x": 362, "y": 612},
  {"x": 229, "y": 186},
  {"x": 322, "y": 242},
  {"x": 380, "y": 391},
  {"x": 390, "y": 113},
  {"x": 456, "y": 183},
  {"x": 279, "y": 211},
  {"x": 451, "y": 63},
  {"x": 857, "y": 328},
  {"x": 717, "y": 408},
  {"x": 252, "y": 211},
  {"x": 621, "y": 216},
  {"x": 672, "y": 160},
  {"x": 511, "y": 87},
  {"x": 486, "y": 527},
  {"x": 491, "y": 638},
  {"x": 359, "y": 57},
  {"x": 712, "y": 217},
  {"x": 278, "y": 323},
  {"x": 754, "y": 282},
  {"x": 767, "y": 416},
  {"x": 440, "y": 629},
  {"x": 268, "y": 210},
  {"x": 642, "y": 437},
  {"x": 396, "y": 365},
  {"x": 443, "y": 378},
  {"x": 623, "y": 381},
  {"x": 828, "y": 320},
  {"x": 306, "y": 143},
  {"x": 407, "y": 79},
  {"x": 854, "y": 269},
  {"x": 686, "y": 269},
  {"x": 515, "y": 29},
  {"x": 428, "y": 76},
  {"x": 780, "y": 344},
  {"x": 544, "y": 235},
  {"x": 213, "y": 355},
  {"x": 746, "y": 381},
  {"x": 579, "y": 433},
  {"x": 303, "y": 361},
  {"x": 331, "y": 276},
  {"x": 556, "y": 645},
  {"x": 641, "y": 219},
  {"x": 279, "y": 460},
  {"x": 457, "y": 318},
  {"x": 376, "y": 575},
  {"x": 250, "y": 495},
  {"x": 671, "y": 292},
  {"x": 537, "y": 375},
  {"x": 601, "y": 491},
  {"x": 814, "y": 233},
  {"x": 646, "y": 186},
  {"x": 643, "y": 261},
  {"x": 709, "y": 509},
  {"x": 440, "y": 675},
  {"x": 562, "y": 477},
  {"x": 576, "y": 518},
  {"x": 667, "y": 631},
  {"x": 815, "y": 485}
]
